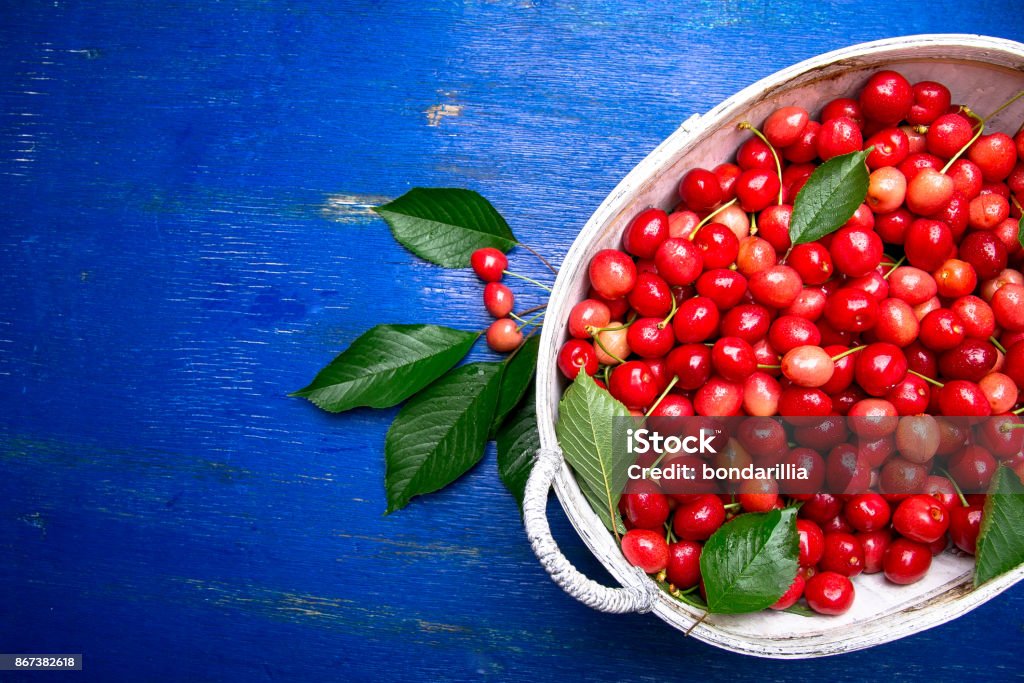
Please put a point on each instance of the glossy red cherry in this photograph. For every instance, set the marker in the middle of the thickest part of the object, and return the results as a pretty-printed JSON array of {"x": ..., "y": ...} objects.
[
  {"x": 812, "y": 262},
  {"x": 576, "y": 355},
  {"x": 696, "y": 320},
  {"x": 941, "y": 330},
  {"x": 749, "y": 322},
  {"x": 613, "y": 273},
  {"x": 647, "y": 338},
  {"x": 931, "y": 100},
  {"x": 906, "y": 562},
  {"x": 921, "y": 518},
  {"x": 829, "y": 593},
  {"x": 886, "y": 98},
  {"x": 843, "y": 554},
  {"x": 874, "y": 545},
  {"x": 880, "y": 367},
  {"x": 964, "y": 527},
  {"x": 718, "y": 396},
  {"x": 645, "y": 233},
  {"x": 589, "y": 313},
  {"x": 683, "y": 569},
  {"x": 691, "y": 363},
  {"x": 891, "y": 147},
  {"x": 948, "y": 134},
  {"x": 718, "y": 245},
  {"x": 811, "y": 542},
  {"x": 700, "y": 190},
  {"x": 928, "y": 191},
  {"x": 633, "y": 384},
  {"x": 843, "y": 106},
  {"x": 679, "y": 261},
  {"x": 504, "y": 335},
  {"x": 1008, "y": 307},
  {"x": 724, "y": 287},
  {"x": 784, "y": 125},
  {"x": 851, "y": 310},
  {"x": 867, "y": 512},
  {"x": 927, "y": 243},
  {"x": 645, "y": 549},
  {"x": 838, "y": 136},
  {"x": 498, "y": 299},
  {"x": 775, "y": 287},
  {"x": 756, "y": 189},
  {"x": 733, "y": 359},
  {"x": 972, "y": 469},
  {"x": 645, "y": 506},
  {"x": 698, "y": 519},
  {"x": 488, "y": 263}
]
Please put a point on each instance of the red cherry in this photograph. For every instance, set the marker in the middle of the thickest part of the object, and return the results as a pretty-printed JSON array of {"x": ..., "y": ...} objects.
[
  {"x": 691, "y": 363},
  {"x": 931, "y": 100},
  {"x": 948, "y": 134},
  {"x": 756, "y": 189},
  {"x": 843, "y": 554},
  {"x": 784, "y": 125},
  {"x": 700, "y": 190},
  {"x": 891, "y": 147},
  {"x": 887, "y": 97},
  {"x": 577, "y": 355},
  {"x": 851, "y": 310},
  {"x": 679, "y": 261},
  {"x": 645, "y": 549},
  {"x": 843, "y": 106},
  {"x": 633, "y": 384},
  {"x": 906, "y": 561},
  {"x": 488, "y": 264},
  {"x": 683, "y": 569},
  {"x": 498, "y": 299},
  {"x": 651, "y": 296},
  {"x": 697, "y": 520},
  {"x": 964, "y": 527},
  {"x": 717, "y": 244},
  {"x": 647, "y": 338},
  {"x": 718, "y": 396},
  {"x": 733, "y": 358},
  {"x": 588, "y": 313},
  {"x": 829, "y": 593},
  {"x": 645, "y": 233},
  {"x": 696, "y": 320},
  {"x": 867, "y": 512},
  {"x": 775, "y": 287},
  {"x": 927, "y": 243},
  {"x": 792, "y": 594},
  {"x": 613, "y": 273},
  {"x": 921, "y": 518},
  {"x": 838, "y": 136},
  {"x": 855, "y": 251},
  {"x": 644, "y": 505}
]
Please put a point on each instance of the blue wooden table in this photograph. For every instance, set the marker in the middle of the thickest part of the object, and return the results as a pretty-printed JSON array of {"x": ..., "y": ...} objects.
[{"x": 186, "y": 237}]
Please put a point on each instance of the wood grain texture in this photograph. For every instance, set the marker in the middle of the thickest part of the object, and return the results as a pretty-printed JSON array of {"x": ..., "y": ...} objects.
[{"x": 187, "y": 237}]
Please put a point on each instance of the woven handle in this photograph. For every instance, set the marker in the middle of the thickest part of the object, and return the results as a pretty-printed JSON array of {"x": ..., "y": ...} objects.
[{"x": 563, "y": 573}]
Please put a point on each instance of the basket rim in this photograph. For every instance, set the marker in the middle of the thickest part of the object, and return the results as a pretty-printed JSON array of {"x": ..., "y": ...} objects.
[{"x": 892, "y": 626}]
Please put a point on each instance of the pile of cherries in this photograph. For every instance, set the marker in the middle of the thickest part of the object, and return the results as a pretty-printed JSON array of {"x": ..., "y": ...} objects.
[{"x": 914, "y": 307}]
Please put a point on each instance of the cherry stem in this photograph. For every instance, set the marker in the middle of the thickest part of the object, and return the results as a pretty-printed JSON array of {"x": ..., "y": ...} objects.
[
  {"x": 670, "y": 536},
  {"x": 775, "y": 155},
  {"x": 528, "y": 279},
  {"x": 597, "y": 340},
  {"x": 1006, "y": 427},
  {"x": 1004, "y": 105},
  {"x": 699, "y": 621},
  {"x": 753, "y": 224},
  {"x": 594, "y": 331},
  {"x": 763, "y": 366},
  {"x": 847, "y": 352},
  {"x": 528, "y": 311},
  {"x": 672, "y": 313},
  {"x": 516, "y": 317},
  {"x": 995, "y": 343},
  {"x": 662, "y": 397},
  {"x": 530, "y": 321},
  {"x": 926, "y": 378},
  {"x": 1013, "y": 198},
  {"x": 543, "y": 260},
  {"x": 1018, "y": 411},
  {"x": 895, "y": 266},
  {"x": 981, "y": 129},
  {"x": 711, "y": 215},
  {"x": 956, "y": 487},
  {"x": 607, "y": 371},
  {"x": 731, "y": 506}
]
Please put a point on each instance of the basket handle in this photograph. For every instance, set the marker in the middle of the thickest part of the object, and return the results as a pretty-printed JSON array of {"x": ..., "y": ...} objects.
[{"x": 639, "y": 598}]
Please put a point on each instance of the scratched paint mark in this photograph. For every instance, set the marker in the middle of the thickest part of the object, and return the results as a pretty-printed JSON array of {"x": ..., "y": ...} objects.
[
  {"x": 415, "y": 548},
  {"x": 36, "y": 521},
  {"x": 350, "y": 208},
  {"x": 437, "y": 112},
  {"x": 435, "y": 627}
]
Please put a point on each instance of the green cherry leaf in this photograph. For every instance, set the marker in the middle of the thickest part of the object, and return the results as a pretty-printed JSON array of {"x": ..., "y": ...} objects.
[
  {"x": 446, "y": 225},
  {"x": 585, "y": 429},
  {"x": 1001, "y": 538},
  {"x": 1020, "y": 230},
  {"x": 440, "y": 433},
  {"x": 386, "y": 365},
  {"x": 518, "y": 441},
  {"x": 830, "y": 197},
  {"x": 519, "y": 369},
  {"x": 750, "y": 561}
]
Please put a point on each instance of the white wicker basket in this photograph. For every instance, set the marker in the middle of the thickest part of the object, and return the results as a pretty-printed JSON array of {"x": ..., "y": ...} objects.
[{"x": 979, "y": 70}]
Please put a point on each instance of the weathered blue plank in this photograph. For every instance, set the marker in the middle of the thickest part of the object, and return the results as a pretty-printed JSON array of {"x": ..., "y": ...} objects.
[{"x": 186, "y": 238}]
